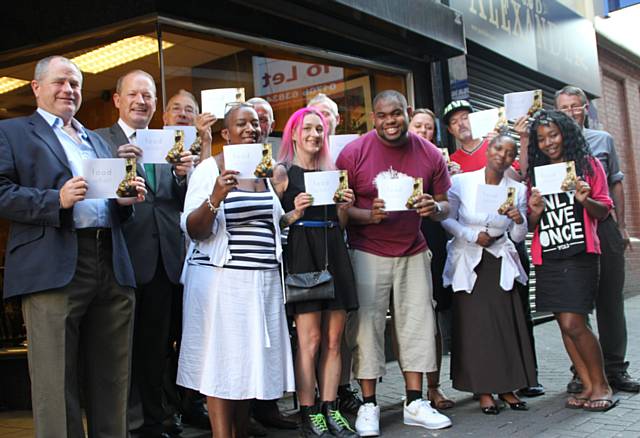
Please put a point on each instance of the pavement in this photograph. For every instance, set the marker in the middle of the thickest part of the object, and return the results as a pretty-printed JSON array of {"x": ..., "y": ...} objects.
[{"x": 546, "y": 418}]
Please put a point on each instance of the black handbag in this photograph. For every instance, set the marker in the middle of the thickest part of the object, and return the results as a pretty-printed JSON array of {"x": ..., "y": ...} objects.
[{"x": 310, "y": 286}]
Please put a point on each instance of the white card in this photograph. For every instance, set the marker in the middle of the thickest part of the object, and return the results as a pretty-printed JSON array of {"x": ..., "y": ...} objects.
[
  {"x": 517, "y": 104},
  {"x": 155, "y": 143},
  {"x": 322, "y": 186},
  {"x": 103, "y": 176},
  {"x": 395, "y": 192},
  {"x": 215, "y": 100},
  {"x": 489, "y": 198},
  {"x": 483, "y": 122},
  {"x": 549, "y": 178},
  {"x": 243, "y": 157},
  {"x": 190, "y": 134},
  {"x": 338, "y": 142}
]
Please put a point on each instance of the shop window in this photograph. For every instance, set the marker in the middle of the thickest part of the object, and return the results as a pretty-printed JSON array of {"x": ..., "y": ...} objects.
[{"x": 287, "y": 81}]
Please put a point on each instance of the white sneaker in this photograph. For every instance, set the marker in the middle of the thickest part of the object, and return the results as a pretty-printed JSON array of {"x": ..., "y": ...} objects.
[
  {"x": 420, "y": 413},
  {"x": 368, "y": 420}
]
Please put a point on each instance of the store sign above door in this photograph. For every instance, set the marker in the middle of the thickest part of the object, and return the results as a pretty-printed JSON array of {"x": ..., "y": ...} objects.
[
  {"x": 542, "y": 35},
  {"x": 271, "y": 76}
]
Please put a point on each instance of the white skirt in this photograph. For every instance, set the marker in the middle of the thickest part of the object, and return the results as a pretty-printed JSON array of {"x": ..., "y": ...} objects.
[{"x": 235, "y": 340}]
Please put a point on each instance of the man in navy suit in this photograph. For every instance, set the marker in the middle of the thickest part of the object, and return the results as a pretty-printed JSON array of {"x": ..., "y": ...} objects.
[
  {"x": 66, "y": 257},
  {"x": 157, "y": 249}
]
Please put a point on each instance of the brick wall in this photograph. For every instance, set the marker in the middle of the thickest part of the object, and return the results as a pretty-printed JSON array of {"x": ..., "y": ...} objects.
[{"x": 619, "y": 112}]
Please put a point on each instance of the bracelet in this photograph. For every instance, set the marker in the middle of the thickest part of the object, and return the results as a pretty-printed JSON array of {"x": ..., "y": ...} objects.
[{"x": 212, "y": 208}]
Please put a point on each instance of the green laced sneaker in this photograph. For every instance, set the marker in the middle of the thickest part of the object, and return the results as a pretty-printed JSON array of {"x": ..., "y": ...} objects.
[
  {"x": 338, "y": 425},
  {"x": 313, "y": 424}
]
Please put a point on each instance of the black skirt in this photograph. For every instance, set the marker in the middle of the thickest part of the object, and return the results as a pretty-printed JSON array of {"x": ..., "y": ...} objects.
[
  {"x": 491, "y": 352},
  {"x": 567, "y": 285},
  {"x": 305, "y": 252}
]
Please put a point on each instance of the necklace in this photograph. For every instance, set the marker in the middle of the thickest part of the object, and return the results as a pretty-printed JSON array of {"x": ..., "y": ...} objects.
[{"x": 475, "y": 148}]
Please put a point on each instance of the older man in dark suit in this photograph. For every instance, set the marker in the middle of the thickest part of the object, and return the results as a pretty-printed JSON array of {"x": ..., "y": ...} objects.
[
  {"x": 156, "y": 246},
  {"x": 66, "y": 257}
]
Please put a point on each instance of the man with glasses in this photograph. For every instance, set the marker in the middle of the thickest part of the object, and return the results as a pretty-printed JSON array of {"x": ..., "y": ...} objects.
[
  {"x": 614, "y": 239},
  {"x": 157, "y": 251},
  {"x": 182, "y": 110}
]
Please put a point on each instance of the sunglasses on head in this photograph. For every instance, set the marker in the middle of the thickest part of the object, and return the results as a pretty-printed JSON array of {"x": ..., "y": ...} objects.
[{"x": 232, "y": 105}]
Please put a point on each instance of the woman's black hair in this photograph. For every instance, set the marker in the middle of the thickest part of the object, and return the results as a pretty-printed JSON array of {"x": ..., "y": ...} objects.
[{"x": 574, "y": 146}]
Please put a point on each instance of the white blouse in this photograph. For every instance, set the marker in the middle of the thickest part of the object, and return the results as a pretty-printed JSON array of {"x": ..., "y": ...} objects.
[{"x": 463, "y": 253}]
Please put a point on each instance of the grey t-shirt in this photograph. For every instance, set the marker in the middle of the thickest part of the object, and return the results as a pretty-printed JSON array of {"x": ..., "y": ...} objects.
[{"x": 603, "y": 148}]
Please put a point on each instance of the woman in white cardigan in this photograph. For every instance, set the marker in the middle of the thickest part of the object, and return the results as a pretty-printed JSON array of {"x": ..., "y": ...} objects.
[
  {"x": 235, "y": 342},
  {"x": 491, "y": 352}
]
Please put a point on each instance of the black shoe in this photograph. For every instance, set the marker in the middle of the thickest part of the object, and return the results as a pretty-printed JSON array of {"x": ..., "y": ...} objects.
[
  {"x": 516, "y": 406},
  {"x": 313, "y": 423},
  {"x": 267, "y": 413},
  {"x": 198, "y": 418},
  {"x": 490, "y": 410},
  {"x": 151, "y": 435},
  {"x": 337, "y": 424},
  {"x": 622, "y": 381},
  {"x": 575, "y": 386},
  {"x": 531, "y": 391},
  {"x": 256, "y": 429},
  {"x": 173, "y": 425},
  {"x": 348, "y": 400}
]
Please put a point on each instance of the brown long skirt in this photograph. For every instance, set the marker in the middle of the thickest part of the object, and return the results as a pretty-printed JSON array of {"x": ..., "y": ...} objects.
[{"x": 491, "y": 352}]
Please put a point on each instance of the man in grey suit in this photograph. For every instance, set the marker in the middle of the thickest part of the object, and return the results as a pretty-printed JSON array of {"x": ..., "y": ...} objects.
[
  {"x": 66, "y": 257},
  {"x": 157, "y": 250}
]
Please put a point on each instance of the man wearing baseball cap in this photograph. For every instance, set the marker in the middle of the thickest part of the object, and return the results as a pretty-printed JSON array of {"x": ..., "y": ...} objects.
[{"x": 471, "y": 152}]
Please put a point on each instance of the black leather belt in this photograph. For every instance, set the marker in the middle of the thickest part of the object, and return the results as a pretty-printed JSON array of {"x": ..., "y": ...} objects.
[{"x": 95, "y": 233}]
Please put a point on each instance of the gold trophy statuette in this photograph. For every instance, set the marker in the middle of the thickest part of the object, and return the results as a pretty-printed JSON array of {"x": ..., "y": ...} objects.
[
  {"x": 569, "y": 182},
  {"x": 511, "y": 198},
  {"x": 125, "y": 188},
  {"x": 502, "y": 123},
  {"x": 417, "y": 191},
  {"x": 264, "y": 169},
  {"x": 445, "y": 155},
  {"x": 343, "y": 184},
  {"x": 174, "y": 154},
  {"x": 196, "y": 146},
  {"x": 537, "y": 103}
]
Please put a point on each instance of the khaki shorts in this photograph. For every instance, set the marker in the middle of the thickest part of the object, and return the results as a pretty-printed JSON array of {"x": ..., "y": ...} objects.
[{"x": 412, "y": 308}]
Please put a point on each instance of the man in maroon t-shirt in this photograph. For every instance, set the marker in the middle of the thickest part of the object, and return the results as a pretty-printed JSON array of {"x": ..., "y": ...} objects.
[{"x": 390, "y": 252}]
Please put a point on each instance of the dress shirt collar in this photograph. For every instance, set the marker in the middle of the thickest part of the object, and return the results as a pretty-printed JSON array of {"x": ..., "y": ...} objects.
[
  {"x": 128, "y": 130},
  {"x": 56, "y": 122}
]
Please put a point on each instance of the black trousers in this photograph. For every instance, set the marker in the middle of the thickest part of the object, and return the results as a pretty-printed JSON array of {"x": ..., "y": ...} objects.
[
  {"x": 151, "y": 347},
  {"x": 612, "y": 325}
]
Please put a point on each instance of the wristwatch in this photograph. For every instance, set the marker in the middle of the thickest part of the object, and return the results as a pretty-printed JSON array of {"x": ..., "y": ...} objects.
[{"x": 438, "y": 208}]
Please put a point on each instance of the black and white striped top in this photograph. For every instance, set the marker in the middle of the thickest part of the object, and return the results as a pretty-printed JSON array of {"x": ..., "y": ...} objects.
[{"x": 249, "y": 219}]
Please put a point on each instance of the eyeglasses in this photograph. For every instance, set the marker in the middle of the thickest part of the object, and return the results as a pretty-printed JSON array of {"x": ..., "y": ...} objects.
[
  {"x": 232, "y": 105},
  {"x": 574, "y": 109}
]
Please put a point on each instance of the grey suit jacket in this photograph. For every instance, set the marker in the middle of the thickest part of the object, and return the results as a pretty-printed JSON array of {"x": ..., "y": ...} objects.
[
  {"x": 42, "y": 248},
  {"x": 154, "y": 231}
]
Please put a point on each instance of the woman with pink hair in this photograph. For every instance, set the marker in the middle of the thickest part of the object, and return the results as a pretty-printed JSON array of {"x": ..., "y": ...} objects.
[{"x": 315, "y": 236}]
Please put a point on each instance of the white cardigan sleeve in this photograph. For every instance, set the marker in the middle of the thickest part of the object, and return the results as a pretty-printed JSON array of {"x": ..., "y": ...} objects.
[
  {"x": 451, "y": 224},
  {"x": 200, "y": 187}
]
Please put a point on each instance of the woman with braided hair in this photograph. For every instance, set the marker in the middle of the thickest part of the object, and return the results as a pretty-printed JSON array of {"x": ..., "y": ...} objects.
[{"x": 565, "y": 248}]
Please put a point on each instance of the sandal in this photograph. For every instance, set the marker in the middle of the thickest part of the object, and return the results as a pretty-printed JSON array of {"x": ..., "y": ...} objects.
[
  {"x": 440, "y": 401},
  {"x": 575, "y": 402},
  {"x": 608, "y": 403}
]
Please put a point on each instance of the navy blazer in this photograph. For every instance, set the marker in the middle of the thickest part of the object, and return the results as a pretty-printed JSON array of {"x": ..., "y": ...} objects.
[
  {"x": 155, "y": 230},
  {"x": 42, "y": 247}
]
